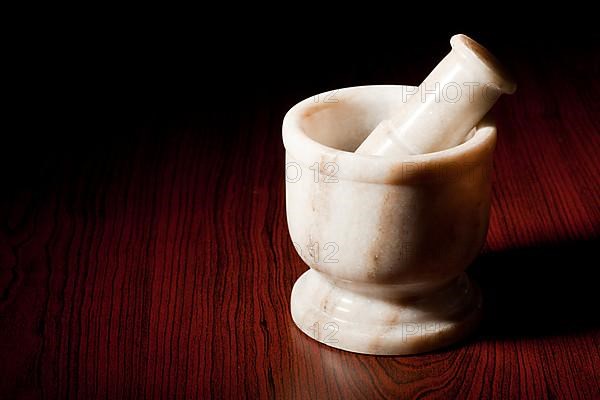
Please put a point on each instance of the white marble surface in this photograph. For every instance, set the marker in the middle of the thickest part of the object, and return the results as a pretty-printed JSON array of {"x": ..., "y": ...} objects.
[{"x": 387, "y": 239}]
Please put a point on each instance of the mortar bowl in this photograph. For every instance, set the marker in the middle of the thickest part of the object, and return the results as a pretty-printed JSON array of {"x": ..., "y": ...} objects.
[{"x": 387, "y": 240}]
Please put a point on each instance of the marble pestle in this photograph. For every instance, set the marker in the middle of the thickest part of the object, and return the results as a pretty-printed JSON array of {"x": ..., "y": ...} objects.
[{"x": 441, "y": 112}]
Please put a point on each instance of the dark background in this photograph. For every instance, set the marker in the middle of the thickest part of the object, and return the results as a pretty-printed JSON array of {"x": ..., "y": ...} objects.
[
  {"x": 144, "y": 250},
  {"x": 122, "y": 72},
  {"x": 134, "y": 70}
]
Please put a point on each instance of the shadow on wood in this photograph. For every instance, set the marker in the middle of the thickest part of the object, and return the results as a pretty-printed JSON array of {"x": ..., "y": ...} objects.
[{"x": 546, "y": 290}]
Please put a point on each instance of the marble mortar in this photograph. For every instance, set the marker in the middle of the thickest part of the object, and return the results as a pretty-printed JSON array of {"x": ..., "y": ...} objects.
[{"x": 387, "y": 239}]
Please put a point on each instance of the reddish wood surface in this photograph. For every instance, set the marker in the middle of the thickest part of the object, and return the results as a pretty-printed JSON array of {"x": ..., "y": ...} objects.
[{"x": 159, "y": 265}]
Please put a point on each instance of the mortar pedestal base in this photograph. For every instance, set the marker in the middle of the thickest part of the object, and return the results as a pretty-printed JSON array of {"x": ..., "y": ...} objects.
[{"x": 384, "y": 319}]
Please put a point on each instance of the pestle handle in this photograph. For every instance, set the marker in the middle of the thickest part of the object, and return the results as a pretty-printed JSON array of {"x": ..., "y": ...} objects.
[{"x": 441, "y": 112}]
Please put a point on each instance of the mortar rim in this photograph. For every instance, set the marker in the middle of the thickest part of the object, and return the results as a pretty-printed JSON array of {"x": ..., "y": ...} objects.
[{"x": 379, "y": 169}]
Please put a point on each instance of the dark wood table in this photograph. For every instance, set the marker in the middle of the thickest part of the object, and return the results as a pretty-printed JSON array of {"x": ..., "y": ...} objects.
[{"x": 157, "y": 263}]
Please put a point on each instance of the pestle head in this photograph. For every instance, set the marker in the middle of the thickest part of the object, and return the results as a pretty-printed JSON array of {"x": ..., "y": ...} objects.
[
  {"x": 472, "y": 50},
  {"x": 441, "y": 112}
]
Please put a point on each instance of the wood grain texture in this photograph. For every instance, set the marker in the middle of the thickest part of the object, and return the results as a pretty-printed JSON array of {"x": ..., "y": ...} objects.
[{"x": 158, "y": 264}]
